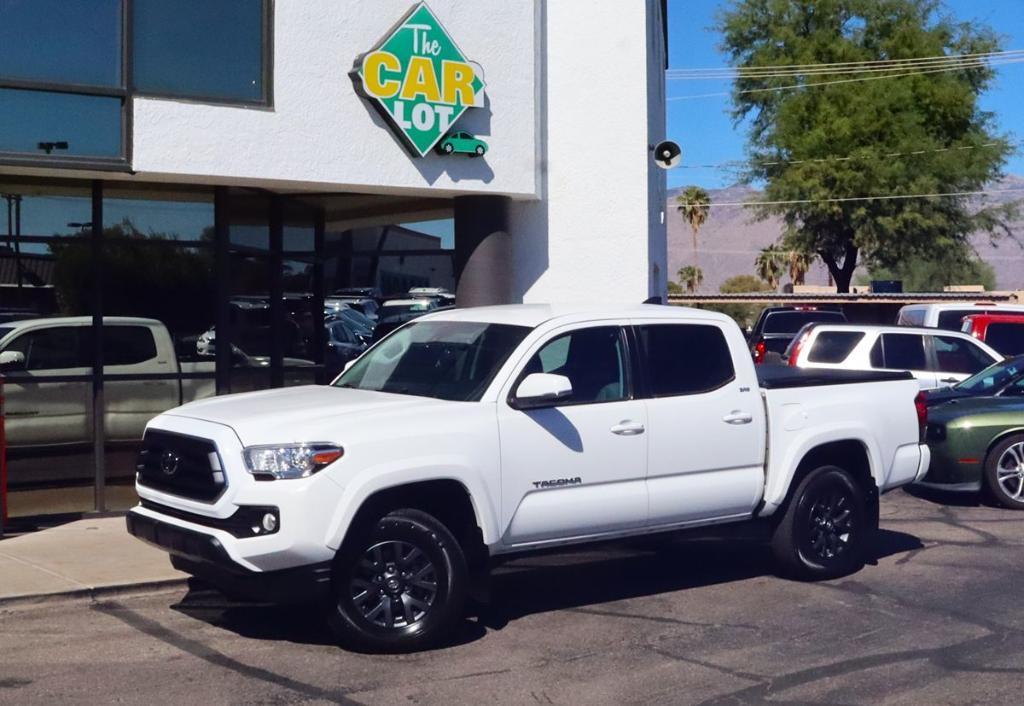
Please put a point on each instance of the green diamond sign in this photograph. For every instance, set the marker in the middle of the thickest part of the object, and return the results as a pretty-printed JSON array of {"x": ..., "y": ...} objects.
[{"x": 420, "y": 80}]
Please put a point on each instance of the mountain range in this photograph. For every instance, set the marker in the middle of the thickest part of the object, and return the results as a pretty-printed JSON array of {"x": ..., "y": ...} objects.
[{"x": 730, "y": 240}]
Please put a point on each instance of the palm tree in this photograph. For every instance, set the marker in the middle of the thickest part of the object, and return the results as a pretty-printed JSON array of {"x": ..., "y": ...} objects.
[
  {"x": 799, "y": 264},
  {"x": 691, "y": 277},
  {"x": 693, "y": 205},
  {"x": 769, "y": 265}
]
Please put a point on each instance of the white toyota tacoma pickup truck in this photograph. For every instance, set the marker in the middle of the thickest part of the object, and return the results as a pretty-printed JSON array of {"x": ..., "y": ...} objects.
[{"x": 475, "y": 433}]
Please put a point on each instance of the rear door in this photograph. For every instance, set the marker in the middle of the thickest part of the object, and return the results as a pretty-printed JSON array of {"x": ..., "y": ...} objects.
[
  {"x": 904, "y": 351},
  {"x": 132, "y": 349},
  {"x": 705, "y": 423},
  {"x": 955, "y": 359}
]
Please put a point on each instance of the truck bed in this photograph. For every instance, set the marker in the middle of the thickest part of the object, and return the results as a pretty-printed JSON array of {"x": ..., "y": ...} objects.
[{"x": 777, "y": 377}]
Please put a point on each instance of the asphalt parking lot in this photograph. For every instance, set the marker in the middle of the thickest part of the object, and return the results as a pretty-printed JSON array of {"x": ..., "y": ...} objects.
[{"x": 936, "y": 620}]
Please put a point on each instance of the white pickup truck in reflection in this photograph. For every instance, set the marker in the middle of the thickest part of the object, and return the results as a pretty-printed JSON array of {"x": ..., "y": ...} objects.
[{"x": 45, "y": 406}]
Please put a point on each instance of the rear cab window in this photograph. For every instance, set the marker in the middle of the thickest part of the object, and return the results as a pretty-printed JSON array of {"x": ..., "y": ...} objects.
[
  {"x": 685, "y": 359},
  {"x": 833, "y": 346}
]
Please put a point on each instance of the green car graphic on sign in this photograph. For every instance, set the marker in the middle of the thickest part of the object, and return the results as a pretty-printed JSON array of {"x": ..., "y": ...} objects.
[{"x": 462, "y": 143}]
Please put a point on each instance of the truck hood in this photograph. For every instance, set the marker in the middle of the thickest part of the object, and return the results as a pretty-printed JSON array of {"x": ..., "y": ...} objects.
[{"x": 298, "y": 414}]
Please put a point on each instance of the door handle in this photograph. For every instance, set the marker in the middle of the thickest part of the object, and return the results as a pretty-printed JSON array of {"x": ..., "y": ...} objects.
[
  {"x": 738, "y": 417},
  {"x": 949, "y": 380},
  {"x": 628, "y": 428}
]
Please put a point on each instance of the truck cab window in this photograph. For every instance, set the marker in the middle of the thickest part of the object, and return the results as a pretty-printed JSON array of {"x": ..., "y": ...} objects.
[
  {"x": 685, "y": 359},
  {"x": 593, "y": 359}
]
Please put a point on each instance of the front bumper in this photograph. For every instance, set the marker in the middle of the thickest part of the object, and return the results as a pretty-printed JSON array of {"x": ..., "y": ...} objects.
[{"x": 204, "y": 556}]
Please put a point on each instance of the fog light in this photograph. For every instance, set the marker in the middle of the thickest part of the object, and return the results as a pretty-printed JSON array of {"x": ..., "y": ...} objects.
[{"x": 269, "y": 522}]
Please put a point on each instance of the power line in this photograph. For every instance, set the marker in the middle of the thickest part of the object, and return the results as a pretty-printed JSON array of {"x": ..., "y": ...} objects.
[
  {"x": 839, "y": 67},
  {"x": 738, "y": 164},
  {"x": 819, "y": 83},
  {"x": 955, "y": 65},
  {"x": 881, "y": 197}
]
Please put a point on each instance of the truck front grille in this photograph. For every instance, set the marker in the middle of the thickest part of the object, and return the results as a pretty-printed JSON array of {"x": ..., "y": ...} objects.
[{"x": 181, "y": 465}]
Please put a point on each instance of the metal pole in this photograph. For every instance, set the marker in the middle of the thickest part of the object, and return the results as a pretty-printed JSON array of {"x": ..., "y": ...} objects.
[
  {"x": 222, "y": 271},
  {"x": 3, "y": 462},
  {"x": 98, "y": 406},
  {"x": 17, "y": 246}
]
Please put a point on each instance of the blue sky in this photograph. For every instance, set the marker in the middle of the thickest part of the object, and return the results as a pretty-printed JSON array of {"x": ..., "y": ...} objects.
[{"x": 705, "y": 130}]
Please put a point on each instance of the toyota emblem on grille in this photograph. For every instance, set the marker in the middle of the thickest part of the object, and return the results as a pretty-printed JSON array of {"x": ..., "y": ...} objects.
[{"x": 169, "y": 463}]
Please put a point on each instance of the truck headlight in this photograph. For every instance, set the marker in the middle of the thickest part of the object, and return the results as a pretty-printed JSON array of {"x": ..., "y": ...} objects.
[{"x": 290, "y": 460}]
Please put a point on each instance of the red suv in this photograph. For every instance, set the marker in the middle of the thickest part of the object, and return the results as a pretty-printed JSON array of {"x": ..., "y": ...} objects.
[{"x": 1004, "y": 332}]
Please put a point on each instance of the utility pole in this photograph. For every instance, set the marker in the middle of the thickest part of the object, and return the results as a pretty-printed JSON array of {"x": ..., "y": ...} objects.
[{"x": 14, "y": 232}]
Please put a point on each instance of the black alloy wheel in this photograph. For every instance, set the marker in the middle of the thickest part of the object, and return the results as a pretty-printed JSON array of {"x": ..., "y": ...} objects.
[
  {"x": 825, "y": 529},
  {"x": 399, "y": 585}
]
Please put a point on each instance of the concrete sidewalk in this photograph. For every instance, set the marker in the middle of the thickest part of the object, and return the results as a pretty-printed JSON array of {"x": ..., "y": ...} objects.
[{"x": 80, "y": 560}]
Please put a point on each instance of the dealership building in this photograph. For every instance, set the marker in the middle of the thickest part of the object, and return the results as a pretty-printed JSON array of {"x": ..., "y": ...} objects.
[{"x": 226, "y": 165}]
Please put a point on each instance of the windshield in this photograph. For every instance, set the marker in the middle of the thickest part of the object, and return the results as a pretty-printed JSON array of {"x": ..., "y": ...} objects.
[
  {"x": 993, "y": 377},
  {"x": 447, "y": 360}
]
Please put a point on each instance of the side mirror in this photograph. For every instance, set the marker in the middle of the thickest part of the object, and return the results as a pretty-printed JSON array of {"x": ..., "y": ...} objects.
[
  {"x": 12, "y": 360},
  {"x": 541, "y": 390}
]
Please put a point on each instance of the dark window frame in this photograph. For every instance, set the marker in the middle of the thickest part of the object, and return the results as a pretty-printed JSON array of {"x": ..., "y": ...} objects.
[{"x": 126, "y": 92}]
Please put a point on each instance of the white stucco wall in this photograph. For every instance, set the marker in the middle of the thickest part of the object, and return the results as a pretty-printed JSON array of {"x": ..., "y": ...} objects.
[
  {"x": 320, "y": 135},
  {"x": 597, "y": 232}
]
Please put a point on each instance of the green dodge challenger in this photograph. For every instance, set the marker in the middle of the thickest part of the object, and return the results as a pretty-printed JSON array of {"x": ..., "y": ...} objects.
[{"x": 976, "y": 434}]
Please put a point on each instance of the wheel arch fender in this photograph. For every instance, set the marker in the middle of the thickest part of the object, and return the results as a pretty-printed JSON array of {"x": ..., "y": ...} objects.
[
  {"x": 998, "y": 439},
  {"x": 373, "y": 482},
  {"x": 836, "y": 446}
]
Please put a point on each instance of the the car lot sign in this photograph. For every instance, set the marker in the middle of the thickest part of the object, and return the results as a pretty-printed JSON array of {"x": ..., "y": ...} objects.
[{"x": 420, "y": 80}]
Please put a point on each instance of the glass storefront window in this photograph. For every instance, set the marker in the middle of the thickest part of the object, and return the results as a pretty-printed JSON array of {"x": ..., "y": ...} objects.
[
  {"x": 56, "y": 41},
  {"x": 159, "y": 213},
  {"x": 200, "y": 48},
  {"x": 55, "y": 125}
]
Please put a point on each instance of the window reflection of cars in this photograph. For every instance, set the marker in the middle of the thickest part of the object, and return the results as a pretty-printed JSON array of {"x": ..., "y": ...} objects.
[
  {"x": 364, "y": 305},
  {"x": 355, "y": 320},
  {"x": 343, "y": 344},
  {"x": 441, "y": 296},
  {"x": 47, "y": 413},
  {"x": 396, "y": 312}
]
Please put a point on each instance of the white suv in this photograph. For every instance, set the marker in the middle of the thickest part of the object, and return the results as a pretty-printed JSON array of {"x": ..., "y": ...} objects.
[{"x": 936, "y": 358}]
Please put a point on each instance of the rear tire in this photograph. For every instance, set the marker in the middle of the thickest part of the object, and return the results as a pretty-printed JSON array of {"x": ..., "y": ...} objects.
[
  {"x": 824, "y": 531},
  {"x": 399, "y": 585},
  {"x": 1004, "y": 473}
]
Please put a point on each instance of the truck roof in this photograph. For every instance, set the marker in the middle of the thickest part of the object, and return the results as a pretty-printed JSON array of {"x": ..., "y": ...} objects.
[
  {"x": 78, "y": 321},
  {"x": 534, "y": 315}
]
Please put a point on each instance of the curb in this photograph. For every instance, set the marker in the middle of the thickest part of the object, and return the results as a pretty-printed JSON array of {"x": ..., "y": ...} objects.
[{"x": 92, "y": 594}]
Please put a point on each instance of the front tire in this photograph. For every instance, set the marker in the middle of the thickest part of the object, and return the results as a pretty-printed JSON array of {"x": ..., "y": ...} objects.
[
  {"x": 824, "y": 531},
  {"x": 1004, "y": 472},
  {"x": 399, "y": 585}
]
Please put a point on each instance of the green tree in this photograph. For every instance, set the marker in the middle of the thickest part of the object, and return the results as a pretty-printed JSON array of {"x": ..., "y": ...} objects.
[
  {"x": 950, "y": 267},
  {"x": 694, "y": 205},
  {"x": 744, "y": 314},
  {"x": 691, "y": 277},
  {"x": 796, "y": 135},
  {"x": 769, "y": 265}
]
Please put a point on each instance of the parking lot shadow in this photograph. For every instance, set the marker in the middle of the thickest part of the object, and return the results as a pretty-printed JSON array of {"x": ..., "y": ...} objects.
[
  {"x": 938, "y": 496},
  {"x": 543, "y": 582}
]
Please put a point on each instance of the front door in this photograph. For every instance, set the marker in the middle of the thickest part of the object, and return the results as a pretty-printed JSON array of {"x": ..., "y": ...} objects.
[{"x": 575, "y": 469}]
